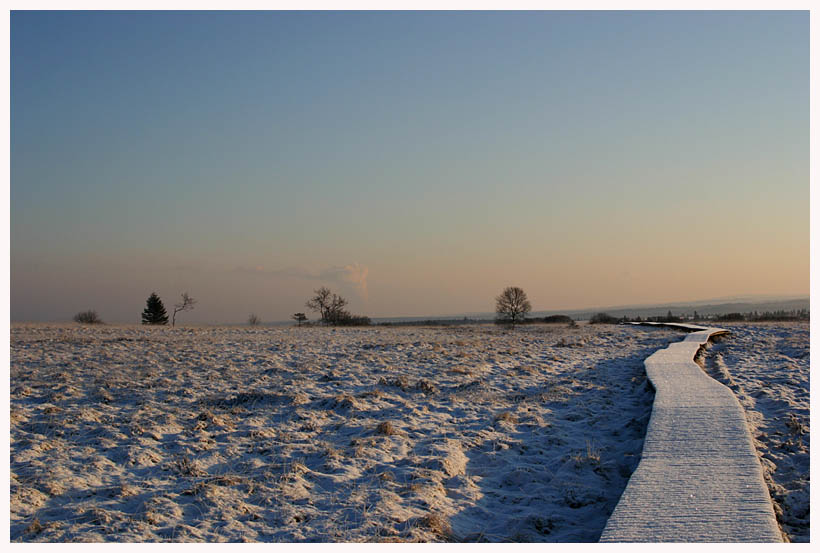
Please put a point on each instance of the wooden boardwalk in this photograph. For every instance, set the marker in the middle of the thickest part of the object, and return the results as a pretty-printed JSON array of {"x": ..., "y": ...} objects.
[{"x": 699, "y": 478}]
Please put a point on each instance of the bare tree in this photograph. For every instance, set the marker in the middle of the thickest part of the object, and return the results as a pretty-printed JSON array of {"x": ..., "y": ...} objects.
[
  {"x": 329, "y": 305},
  {"x": 512, "y": 305},
  {"x": 336, "y": 312},
  {"x": 320, "y": 302},
  {"x": 253, "y": 320},
  {"x": 299, "y": 318},
  {"x": 89, "y": 317},
  {"x": 186, "y": 304}
]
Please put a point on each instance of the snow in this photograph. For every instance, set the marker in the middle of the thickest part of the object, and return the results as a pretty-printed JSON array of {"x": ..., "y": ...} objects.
[
  {"x": 699, "y": 479},
  {"x": 473, "y": 433},
  {"x": 470, "y": 433}
]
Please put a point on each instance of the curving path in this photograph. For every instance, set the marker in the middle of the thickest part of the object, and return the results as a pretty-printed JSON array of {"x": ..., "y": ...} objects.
[{"x": 699, "y": 478}]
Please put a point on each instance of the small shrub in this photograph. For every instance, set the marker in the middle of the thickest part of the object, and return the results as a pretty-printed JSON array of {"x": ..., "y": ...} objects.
[
  {"x": 253, "y": 319},
  {"x": 89, "y": 317}
]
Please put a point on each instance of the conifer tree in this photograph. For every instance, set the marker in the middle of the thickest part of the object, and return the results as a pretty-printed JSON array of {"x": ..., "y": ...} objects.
[{"x": 154, "y": 312}]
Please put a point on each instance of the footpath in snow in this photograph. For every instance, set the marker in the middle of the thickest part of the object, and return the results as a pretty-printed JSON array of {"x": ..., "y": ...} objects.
[{"x": 699, "y": 478}]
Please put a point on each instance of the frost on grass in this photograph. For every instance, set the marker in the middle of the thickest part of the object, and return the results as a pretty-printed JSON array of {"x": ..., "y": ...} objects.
[
  {"x": 766, "y": 365},
  {"x": 310, "y": 434}
]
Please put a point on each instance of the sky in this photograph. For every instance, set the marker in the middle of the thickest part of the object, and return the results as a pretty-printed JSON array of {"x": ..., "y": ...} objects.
[{"x": 414, "y": 162}]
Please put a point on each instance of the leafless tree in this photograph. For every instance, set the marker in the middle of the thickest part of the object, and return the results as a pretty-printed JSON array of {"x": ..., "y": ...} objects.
[
  {"x": 89, "y": 317},
  {"x": 186, "y": 304},
  {"x": 336, "y": 311},
  {"x": 253, "y": 320},
  {"x": 329, "y": 305},
  {"x": 512, "y": 305},
  {"x": 299, "y": 318},
  {"x": 320, "y": 302}
]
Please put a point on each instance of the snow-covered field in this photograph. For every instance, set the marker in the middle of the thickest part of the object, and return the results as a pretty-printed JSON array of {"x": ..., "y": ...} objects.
[
  {"x": 767, "y": 367},
  {"x": 473, "y": 433},
  {"x": 465, "y": 433}
]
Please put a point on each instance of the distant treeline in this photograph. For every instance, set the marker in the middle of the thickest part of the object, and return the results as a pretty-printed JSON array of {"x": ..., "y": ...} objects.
[
  {"x": 552, "y": 319},
  {"x": 605, "y": 318},
  {"x": 434, "y": 322},
  {"x": 344, "y": 320},
  {"x": 753, "y": 316}
]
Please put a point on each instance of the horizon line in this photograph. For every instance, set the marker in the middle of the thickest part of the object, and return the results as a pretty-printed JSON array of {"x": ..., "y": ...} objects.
[{"x": 483, "y": 315}]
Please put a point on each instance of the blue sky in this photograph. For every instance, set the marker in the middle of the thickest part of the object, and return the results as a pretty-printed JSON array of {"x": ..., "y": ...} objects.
[{"x": 417, "y": 162}]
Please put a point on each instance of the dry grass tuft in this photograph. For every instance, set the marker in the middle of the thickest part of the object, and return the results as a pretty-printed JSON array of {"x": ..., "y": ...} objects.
[
  {"x": 399, "y": 382},
  {"x": 592, "y": 456},
  {"x": 54, "y": 488},
  {"x": 207, "y": 419},
  {"x": 298, "y": 398},
  {"x": 425, "y": 386},
  {"x": 507, "y": 417},
  {"x": 228, "y": 480},
  {"x": 570, "y": 343},
  {"x": 330, "y": 452},
  {"x": 186, "y": 467},
  {"x": 34, "y": 528},
  {"x": 461, "y": 370},
  {"x": 438, "y": 524},
  {"x": 795, "y": 426},
  {"x": 262, "y": 433},
  {"x": 309, "y": 426},
  {"x": 386, "y": 428},
  {"x": 374, "y": 393},
  {"x": 345, "y": 401},
  {"x": 127, "y": 490},
  {"x": 526, "y": 369}
]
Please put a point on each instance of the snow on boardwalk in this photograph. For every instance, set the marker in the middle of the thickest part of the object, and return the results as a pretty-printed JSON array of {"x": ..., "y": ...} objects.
[{"x": 699, "y": 479}]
